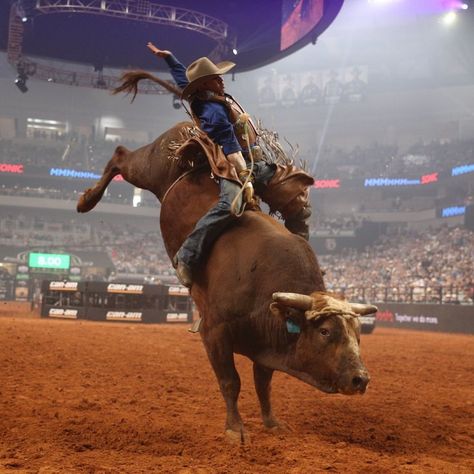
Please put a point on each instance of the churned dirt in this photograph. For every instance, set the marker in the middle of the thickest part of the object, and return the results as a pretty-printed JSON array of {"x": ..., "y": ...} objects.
[{"x": 85, "y": 397}]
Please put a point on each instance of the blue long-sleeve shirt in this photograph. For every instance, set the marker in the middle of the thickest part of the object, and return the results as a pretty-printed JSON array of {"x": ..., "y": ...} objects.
[{"x": 213, "y": 116}]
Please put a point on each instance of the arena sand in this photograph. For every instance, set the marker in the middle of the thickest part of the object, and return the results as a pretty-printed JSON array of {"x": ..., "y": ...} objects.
[{"x": 85, "y": 397}]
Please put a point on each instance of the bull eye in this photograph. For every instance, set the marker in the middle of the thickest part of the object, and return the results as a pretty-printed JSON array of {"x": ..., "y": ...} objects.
[{"x": 324, "y": 332}]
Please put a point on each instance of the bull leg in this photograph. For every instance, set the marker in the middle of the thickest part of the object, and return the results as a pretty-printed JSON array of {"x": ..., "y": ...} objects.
[
  {"x": 220, "y": 354},
  {"x": 262, "y": 377},
  {"x": 92, "y": 196}
]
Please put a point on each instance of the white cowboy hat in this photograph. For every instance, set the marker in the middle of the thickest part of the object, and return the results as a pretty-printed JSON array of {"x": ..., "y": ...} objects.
[{"x": 200, "y": 71}]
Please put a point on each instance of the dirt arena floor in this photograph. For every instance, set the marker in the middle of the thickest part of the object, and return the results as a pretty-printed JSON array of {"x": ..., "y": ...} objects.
[{"x": 84, "y": 397}]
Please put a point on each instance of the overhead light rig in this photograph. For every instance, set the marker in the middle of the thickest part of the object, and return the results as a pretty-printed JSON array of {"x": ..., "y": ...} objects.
[{"x": 139, "y": 10}]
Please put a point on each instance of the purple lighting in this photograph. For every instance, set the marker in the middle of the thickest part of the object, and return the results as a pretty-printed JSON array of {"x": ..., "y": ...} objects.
[
  {"x": 457, "y": 4},
  {"x": 420, "y": 6}
]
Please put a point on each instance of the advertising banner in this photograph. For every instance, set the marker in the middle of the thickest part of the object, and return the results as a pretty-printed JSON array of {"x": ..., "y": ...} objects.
[{"x": 427, "y": 317}]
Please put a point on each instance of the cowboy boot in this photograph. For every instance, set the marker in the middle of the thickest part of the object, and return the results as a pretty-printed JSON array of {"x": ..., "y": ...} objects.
[{"x": 183, "y": 272}]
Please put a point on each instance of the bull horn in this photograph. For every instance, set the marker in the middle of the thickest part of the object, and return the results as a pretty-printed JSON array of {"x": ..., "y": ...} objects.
[
  {"x": 363, "y": 309},
  {"x": 294, "y": 300}
]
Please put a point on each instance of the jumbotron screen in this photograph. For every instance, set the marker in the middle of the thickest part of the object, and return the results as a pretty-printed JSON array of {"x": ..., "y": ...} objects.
[
  {"x": 49, "y": 260},
  {"x": 299, "y": 17}
]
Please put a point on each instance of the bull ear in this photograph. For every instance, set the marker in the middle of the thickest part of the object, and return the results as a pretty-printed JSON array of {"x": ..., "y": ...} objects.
[
  {"x": 294, "y": 300},
  {"x": 363, "y": 309},
  {"x": 278, "y": 310},
  {"x": 285, "y": 312}
]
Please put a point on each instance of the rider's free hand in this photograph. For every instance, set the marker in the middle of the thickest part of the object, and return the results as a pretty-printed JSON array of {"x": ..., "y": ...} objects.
[{"x": 162, "y": 53}]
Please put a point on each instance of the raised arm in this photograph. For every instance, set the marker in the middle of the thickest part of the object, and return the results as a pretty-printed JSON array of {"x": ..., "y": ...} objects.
[{"x": 178, "y": 71}]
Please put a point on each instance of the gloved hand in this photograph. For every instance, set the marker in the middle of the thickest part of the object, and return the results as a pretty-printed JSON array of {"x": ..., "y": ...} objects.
[
  {"x": 248, "y": 186},
  {"x": 237, "y": 159}
]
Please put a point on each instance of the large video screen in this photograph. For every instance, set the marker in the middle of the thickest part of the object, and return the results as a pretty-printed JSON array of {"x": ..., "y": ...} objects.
[
  {"x": 49, "y": 260},
  {"x": 299, "y": 17}
]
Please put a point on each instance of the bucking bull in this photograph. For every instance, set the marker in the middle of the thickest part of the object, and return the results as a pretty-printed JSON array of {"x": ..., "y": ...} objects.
[{"x": 260, "y": 291}]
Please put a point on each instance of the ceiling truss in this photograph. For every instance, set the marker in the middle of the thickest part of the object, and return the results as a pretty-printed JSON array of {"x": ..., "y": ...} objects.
[{"x": 139, "y": 10}]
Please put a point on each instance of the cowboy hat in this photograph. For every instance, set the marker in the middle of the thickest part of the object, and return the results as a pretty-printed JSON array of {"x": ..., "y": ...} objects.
[{"x": 200, "y": 71}]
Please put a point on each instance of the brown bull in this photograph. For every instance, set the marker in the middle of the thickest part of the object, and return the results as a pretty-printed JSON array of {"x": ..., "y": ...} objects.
[{"x": 260, "y": 291}]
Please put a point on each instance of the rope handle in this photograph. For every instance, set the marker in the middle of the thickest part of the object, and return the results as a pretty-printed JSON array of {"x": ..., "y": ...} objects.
[{"x": 233, "y": 206}]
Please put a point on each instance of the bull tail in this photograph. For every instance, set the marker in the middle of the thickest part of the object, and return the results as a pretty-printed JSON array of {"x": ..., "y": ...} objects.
[
  {"x": 92, "y": 196},
  {"x": 129, "y": 83}
]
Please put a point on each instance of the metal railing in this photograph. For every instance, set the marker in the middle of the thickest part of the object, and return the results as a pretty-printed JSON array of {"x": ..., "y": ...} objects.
[{"x": 408, "y": 294}]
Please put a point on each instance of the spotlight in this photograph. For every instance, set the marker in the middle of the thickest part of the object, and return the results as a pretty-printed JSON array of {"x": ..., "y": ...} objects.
[
  {"x": 234, "y": 50},
  {"x": 24, "y": 19},
  {"x": 176, "y": 102},
  {"x": 20, "y": 82},
  {"x": 449, "y": 19},
  {"x": 464, "y": 6}
]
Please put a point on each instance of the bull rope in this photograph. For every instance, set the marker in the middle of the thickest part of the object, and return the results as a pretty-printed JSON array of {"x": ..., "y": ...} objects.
[
  {"x": 233, "y": 206},
  {"x": 179, "y": 178}
]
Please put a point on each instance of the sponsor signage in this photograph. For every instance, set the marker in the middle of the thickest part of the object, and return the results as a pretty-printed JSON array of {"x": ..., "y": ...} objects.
[
  {"x": 327, "y": 183},
  {"x": 74, "y": 174},
  {"x": 134, "y": 316},
  {"x": 458, "y": 170},
  {"x": 367, "y": 320},
  {"x": 178, "y": 291},
  {"x": 453, "y": 211},
  {"x": 396, "y": 317},
  {"x": 11, "y": 168},
  {"x": 62, "y": 313},
  {"x": 429, "y": 178},
  {"x": 176, "y": 317},
  {"x": 426, "y": 317},
  {"x": 382, "y": 182},
  {"x": 70, "y": 173},
  {"x": 49, "y": 260},
  {"x": 63, "y": 285},
  {"x": 123, "y": 288}
]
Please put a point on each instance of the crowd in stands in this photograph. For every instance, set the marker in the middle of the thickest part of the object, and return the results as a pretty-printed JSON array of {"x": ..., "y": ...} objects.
[
  {"x": 334, "y": 225},
  {"x": 415, "y": 266},
  {"x": 64, "y": 152},
  {"x": 388, "y": 161},
  {"x": 69, "y": 194},
  {"x": 373, "y": 161},
  {"x": 401, "y": 266},
  {"x": 135, "y": 252}
]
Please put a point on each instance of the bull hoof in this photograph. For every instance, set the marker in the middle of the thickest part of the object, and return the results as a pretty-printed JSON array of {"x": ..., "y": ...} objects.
[
  {"x": 277, "y": 426},
  {"x": 237, "y": 437},
  {"x": 84, "y": 204}
]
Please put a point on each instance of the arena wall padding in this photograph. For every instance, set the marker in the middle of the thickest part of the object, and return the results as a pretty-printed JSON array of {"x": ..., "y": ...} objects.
[
  {"x": 427, "y": 317},
  {"x": 117, "y": 302}
]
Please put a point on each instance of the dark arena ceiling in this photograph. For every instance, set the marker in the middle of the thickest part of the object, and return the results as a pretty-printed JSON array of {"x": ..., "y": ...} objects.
[{"x": 91, "y": 32}]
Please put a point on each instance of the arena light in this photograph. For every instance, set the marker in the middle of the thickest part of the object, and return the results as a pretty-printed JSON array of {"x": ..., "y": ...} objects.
[
  {"x": 20, "y": 82},
  {"x": 382, "y": 2},
  {"x": 235, "y": 52},
  {"x": 458, "y": 4},
  {"x": 449, "y": 18},
  {"x": 176, "y": 102}
]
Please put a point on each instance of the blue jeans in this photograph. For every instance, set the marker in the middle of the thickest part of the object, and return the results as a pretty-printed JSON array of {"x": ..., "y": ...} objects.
[{"x": 212, "y": 224}]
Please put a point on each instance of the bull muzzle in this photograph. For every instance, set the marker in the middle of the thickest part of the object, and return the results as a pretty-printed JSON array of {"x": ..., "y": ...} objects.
[{"x": 355, "y": 383}]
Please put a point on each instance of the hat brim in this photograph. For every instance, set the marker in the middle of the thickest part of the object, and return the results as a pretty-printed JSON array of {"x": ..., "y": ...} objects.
[{"x": 222, "y": 68}]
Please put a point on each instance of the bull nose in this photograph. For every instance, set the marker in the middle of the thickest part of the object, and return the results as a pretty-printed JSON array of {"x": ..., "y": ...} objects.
[{"x": 360, "y": 381}]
